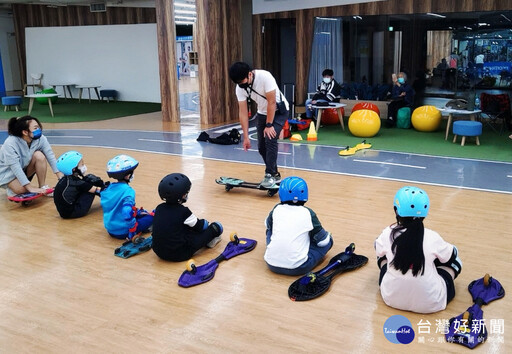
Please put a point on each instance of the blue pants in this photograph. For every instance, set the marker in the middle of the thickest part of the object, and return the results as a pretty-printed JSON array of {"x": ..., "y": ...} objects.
[
  {"x": 309, "y": 112},
  {"x": 143, "y": 224},
  {"x": 268, "y": 147},
  {"x": 315, "y": 256}
]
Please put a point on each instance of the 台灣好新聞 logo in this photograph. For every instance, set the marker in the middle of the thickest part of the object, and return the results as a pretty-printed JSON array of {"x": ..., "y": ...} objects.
[{"x": 398, "y": 330}]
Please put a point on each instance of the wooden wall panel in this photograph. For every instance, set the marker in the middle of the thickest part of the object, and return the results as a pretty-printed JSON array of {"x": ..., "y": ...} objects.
[
  {"x": 166, "y": 34},
  {"x": 305, "y": 30},
  {"x": 219, "y": 44}
]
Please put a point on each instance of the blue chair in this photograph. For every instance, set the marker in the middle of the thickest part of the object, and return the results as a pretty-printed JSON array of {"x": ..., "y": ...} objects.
[
  {"x": 9, "y": 101},
  {"x": 108, "y": 94},
  {"x": 467, "y": 128}
]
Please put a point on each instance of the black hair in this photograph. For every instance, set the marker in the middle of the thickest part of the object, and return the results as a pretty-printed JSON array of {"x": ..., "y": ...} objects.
[
  {"x": 239, "y": 71},
  {"x": 407, "y": 245},
  {"x": 291, "y": 202},
  {"x": 17, "y": 125},
  {"x": 328, "y": 72}
]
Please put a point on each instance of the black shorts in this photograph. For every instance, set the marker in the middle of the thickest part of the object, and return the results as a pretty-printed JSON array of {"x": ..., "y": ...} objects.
[
  {"x": 29, "y": 177},
  {"x": 450, "y": 285}
]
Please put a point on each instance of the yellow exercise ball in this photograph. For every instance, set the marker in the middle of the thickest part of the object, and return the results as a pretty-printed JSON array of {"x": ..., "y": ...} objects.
[
  {"x": 364, "y": 123},
  {"x": 426, "y": 118}
]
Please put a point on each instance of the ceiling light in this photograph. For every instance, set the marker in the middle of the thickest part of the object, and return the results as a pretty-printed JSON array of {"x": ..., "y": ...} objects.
[
  {"x": 435, "y": 15},
  {"x": 185, "y": 18},
  {"x": 180, "y": 4},
  {"x": 183, "y": 23}
]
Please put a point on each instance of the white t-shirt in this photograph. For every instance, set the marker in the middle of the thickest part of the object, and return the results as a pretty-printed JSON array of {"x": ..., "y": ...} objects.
[
  {"x": 424, "y": 293},
  {"x": 290, "y": 240},
  {"x": 263, "y": 82}
]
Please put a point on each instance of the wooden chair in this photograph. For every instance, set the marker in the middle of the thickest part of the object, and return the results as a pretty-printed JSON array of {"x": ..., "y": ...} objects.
[{"x": 37, "y": 80}]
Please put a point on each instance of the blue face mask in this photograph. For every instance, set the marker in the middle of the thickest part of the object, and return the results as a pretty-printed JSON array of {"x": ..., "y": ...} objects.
[
  {"x": 36, "y": 134},
  {"x": 401, "y": 80},
  {"x": 327, "y": 80}
]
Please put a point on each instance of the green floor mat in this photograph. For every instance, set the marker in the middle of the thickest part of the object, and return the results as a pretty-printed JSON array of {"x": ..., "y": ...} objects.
[
  {"x": 68, "y": 111},
  {"x": 493, "y": 146}
]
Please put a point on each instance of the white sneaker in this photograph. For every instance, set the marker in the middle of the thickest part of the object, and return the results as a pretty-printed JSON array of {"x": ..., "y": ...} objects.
[
  {"x": 268, "y": 181},
  {"x": 214, "y": 242},
  {"x": 46, "y": 187}
]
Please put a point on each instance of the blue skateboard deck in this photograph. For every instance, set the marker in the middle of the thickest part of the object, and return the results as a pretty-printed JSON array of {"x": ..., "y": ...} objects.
[
  {"x": 203, "y": 273},
  {"x": 230, "y": 183},
  {"x": 129, "y": 248}
]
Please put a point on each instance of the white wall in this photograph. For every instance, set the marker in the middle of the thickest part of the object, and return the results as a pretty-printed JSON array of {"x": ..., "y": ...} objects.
[
  {"x": 119, "y": 57},
  {"x": 268, "y": 6}
]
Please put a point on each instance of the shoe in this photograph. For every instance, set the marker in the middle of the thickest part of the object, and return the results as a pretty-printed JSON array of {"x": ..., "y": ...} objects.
[
  {"x": 46, "y": 187},
  {"x": 268, "y": 181},
  {"x": 214, "y": 241},
  {"x": 277, "y": 178},
  {"x": 217, "y": 230}
]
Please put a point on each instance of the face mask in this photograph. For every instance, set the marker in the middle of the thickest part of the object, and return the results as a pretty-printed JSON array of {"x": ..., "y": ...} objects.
[
  {"x": 83, "y": 169},
  {"x": 244, "y": 86},
  {"x": 401, "y": 80},
  {"x": 327, "y": 80},
  {"x": 36, "y": 134},
  {"x": 131, "y": 178}
]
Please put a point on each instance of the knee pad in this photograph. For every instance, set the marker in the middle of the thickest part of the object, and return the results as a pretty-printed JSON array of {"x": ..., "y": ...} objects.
[
  {"x": 217, "y": 227},
  {"x": 454, "y": 262}
]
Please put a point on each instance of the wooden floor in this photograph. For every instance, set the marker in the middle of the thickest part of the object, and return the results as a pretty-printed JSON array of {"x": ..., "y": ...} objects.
[{"x": 63, "y": 289}]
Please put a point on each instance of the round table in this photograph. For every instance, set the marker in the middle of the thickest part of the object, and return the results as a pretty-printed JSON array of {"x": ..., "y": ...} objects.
[
  {"x": 334, "y": 105},
  {"x": 39, "y": 95}
]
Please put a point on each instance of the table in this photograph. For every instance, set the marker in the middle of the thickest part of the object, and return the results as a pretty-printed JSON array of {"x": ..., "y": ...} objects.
[
  {"x": 462, "y": 112},
  {"x": 64, "y": 87},
  {"x": 88, "y": 87},
  {"x": 38, "y": 95},
  {"x": 334, "y": 105}
]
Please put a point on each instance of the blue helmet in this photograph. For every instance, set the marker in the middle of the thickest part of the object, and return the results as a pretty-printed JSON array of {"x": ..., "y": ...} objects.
[
  {"x": 121, "y": 165},
  {"x": 293, "y": 189},
  {"x": 411, "y": 202},
  {"x": 67, "y": 162}
]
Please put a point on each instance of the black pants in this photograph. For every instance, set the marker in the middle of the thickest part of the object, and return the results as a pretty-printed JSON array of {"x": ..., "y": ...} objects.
[
  {"x": 81, "y": 206},
  {"x": 268, "y": 147},
  {"x": 393, "y": 108},
  {"x": 195, "y": 241}
]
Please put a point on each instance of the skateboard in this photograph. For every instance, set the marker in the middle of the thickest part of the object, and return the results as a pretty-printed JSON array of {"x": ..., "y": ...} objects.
[
  {"x": 347, "y": 151},
  {"x": 469, "y": 328},
  {"x": 231, "y": 183},
  {"x": 27, "y": 198},
  {"x": 195, "y": 275},
  {"x": 131, "y": 248},
  {"x": 314, "y": 284}
]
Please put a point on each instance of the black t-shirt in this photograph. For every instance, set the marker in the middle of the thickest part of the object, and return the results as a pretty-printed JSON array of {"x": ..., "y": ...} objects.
[
  {"x": 169, "y": 229},
  {"x": 66, "y": 193}
]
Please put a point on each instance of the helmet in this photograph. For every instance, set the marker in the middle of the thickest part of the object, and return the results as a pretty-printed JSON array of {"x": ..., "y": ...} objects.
[
  {"x": 411, "y": 202},
  {"x": 293, "y": 189},
  {"x": 121, "y": 165},
  {"x": 67, "y": 162},
  {"x": 173, "y": 187}
]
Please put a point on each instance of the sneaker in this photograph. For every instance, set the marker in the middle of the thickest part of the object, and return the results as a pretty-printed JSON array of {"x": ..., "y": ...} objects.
[
  {"x": 217, "y": 229},
  {"x": 268, "y": 181},
  {"x": 277, "y": 178},
  {"x": 46, "y": 188}
]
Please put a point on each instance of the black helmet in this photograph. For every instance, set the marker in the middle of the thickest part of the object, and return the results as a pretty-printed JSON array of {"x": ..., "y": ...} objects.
[{"x": 173, "y": 187}]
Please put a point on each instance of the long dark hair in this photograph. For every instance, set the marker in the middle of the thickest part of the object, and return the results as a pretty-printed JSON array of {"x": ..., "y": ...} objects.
[
  {"x": 407, "y": 245},
  {"x": 17, "y": 125}
]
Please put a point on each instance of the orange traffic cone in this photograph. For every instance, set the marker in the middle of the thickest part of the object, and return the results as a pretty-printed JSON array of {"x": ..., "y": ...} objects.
[{"x": 312, "y": 136}]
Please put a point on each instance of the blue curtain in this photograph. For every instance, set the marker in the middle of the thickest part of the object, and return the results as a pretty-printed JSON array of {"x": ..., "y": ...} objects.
[{"x": 326, "y": 51}]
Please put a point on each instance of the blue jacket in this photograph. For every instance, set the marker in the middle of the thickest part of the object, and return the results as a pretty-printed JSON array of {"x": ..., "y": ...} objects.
[{"x": 117, "y": 201}]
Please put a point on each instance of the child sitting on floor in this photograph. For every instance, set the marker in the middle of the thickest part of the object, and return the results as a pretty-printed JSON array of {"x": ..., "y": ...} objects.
[
  {"x": 296, "y": 241},
  {"x": 120, "y": 216},
  {"x": 75, "y": 192},
  {"x": 417, "y": 267},
  {"x": 177, "y": 232}
]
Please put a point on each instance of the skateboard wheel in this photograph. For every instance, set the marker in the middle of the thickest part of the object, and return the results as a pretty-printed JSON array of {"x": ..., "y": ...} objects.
[
  {"x": 487, "y": 279},
  {"x": 191, "y": 266},
  {"x": 271, "y": 193},
  {"x": 117, "y": 250},
  {"x": 465, "y": 316},
  {"x": 228, "y": 188},
  {"x": 234, "y": 238},
  {"x": 126, "y": 253}
]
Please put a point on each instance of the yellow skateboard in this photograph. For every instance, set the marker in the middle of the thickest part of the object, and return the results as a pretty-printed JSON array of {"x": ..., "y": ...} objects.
[{"x": 347, "y": 151}]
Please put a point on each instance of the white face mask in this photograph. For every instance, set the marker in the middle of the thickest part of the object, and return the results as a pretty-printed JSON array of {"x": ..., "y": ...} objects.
[
  {"x": 327, "y": 80},
  {"x": 131, "y": 178},
  {"x": 83, "y": 169}
]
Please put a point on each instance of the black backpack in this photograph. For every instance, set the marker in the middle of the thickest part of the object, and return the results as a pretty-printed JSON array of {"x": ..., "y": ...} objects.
[{"x": 230, "y": 138}]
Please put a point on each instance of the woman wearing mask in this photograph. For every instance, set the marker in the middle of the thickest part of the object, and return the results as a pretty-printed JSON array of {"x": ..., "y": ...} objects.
[
  {"x": 402, "y": 95},
  {"x": 25, "y": 153}
]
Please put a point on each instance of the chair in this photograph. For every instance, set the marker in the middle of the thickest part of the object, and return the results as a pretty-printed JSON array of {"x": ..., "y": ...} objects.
[
  {"x": 495, "y": 110},
  {"x": 37, "y": 82}
]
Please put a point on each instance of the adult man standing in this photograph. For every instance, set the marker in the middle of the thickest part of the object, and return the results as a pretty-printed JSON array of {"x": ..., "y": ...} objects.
[{"x": 272, "y": 112}]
